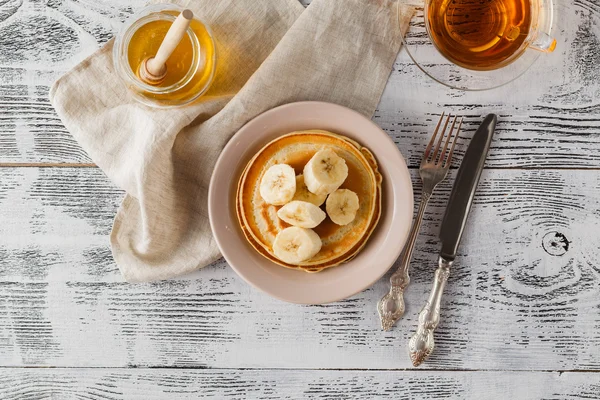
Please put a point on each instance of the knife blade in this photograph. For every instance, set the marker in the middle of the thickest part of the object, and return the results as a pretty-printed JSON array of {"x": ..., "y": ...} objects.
[{"x": 465, "y": 186}]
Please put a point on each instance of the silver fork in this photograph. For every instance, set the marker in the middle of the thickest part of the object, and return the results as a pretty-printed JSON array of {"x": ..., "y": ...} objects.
[{"x": 433, "y": 170}]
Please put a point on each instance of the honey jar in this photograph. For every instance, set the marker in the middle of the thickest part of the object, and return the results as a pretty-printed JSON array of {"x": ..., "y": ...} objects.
[{"x": 190, "y": 68}]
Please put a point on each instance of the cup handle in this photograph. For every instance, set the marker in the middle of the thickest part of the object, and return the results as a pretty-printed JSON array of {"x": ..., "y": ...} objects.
[{"x": 544, "y": 43}]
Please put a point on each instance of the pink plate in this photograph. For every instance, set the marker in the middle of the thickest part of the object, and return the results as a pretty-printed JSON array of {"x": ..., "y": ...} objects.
[{"x": 382, "y": 249}]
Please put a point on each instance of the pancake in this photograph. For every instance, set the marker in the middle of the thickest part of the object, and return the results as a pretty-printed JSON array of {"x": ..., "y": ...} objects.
[{"x": 259, "y": 221}]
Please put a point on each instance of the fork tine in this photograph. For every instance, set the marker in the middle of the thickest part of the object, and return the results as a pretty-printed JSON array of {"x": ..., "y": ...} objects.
[
  {"x": 448, "y": 138},
  {"x": 432, "y": 140},
  {"x": 449, "y": 159},
  {"x": 437, "y": 147}
]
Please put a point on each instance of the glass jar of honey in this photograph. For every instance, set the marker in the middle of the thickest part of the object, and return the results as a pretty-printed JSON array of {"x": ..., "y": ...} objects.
[{"x": 189, "y": 70}]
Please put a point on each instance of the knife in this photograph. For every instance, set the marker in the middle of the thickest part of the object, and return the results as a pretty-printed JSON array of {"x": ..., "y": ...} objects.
[{"x": 421, "y": 344}]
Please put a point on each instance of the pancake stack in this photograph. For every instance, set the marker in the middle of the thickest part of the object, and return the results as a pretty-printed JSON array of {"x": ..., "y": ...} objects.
[{"x": 340, "y": 243}]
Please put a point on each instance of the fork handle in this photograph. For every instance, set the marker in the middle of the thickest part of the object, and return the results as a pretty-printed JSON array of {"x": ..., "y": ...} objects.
[
  {"x": 421, "y": 344},
  {"x": 400, "y": 278},
  {"x": 391, "y": 306}
]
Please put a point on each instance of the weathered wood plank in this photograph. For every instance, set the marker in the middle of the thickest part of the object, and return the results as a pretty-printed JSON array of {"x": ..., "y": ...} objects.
[
  {"x": 523, "y": 296},
  {"x": 513, "y": 301},
  {"x": 549, "y": 117},
  {"x": 39, "y": 41},
  {"x": 125, "y": 384}
]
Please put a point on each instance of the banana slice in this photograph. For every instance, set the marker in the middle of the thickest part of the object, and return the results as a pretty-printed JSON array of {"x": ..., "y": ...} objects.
[
  {"x": 278, "y": 184},
  {"x": 295, "y": 245},
  {"x": 325, "y": 172},
  {"x": 342, "y": 206},
  {"x": 301, "y": 214},
  {"x": 303, "y": 194}
]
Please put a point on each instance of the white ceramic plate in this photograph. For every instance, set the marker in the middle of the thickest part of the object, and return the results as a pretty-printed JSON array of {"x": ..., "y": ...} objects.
[{"x": 382, "y": 249}]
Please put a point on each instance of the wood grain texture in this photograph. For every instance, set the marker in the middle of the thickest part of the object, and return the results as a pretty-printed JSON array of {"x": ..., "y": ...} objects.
[
  {"x": 119, "y": 384},
  {"x": 39, "y": 41},
  {"x": 523, "y": 295},
  {"x": 548, "y": 118}
]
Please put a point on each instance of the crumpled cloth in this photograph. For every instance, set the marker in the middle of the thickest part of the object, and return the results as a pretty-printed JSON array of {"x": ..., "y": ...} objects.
[{"x": 270, "y": 52}]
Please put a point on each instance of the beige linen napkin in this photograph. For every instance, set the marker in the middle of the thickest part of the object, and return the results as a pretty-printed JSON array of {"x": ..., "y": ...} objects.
[{"x": 271, "y": 52}]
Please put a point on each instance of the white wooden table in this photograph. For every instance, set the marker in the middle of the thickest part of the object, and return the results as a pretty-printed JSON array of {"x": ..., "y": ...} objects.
[{"x": 521, "y": 313}]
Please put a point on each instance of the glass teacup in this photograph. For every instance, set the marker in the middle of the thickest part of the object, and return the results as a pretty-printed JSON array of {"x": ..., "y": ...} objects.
[{"x": 476, "y": 44}]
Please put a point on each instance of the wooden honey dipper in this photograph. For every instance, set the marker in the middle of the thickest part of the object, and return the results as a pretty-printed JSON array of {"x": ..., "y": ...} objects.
[{"x": 153, "y": 70}]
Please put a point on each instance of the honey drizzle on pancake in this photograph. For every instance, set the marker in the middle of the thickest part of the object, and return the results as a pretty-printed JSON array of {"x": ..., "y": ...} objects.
[
  {"x": 327, "y": 228},
  {"x": 354, "y": 182},
  {"x": 331, "y": 253}
]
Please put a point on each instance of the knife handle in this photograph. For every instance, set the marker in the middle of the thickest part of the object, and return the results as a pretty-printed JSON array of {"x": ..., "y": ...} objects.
[{"x": 421, "y": 344}]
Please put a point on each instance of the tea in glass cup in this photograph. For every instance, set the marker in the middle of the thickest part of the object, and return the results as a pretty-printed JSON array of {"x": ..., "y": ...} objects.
[
  {"x": 476, "y": 44},
  {"x": 479, "y": 34}
]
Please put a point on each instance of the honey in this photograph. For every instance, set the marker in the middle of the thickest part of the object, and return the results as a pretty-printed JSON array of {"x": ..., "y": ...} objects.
[{"x": 190, "y": 68}]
